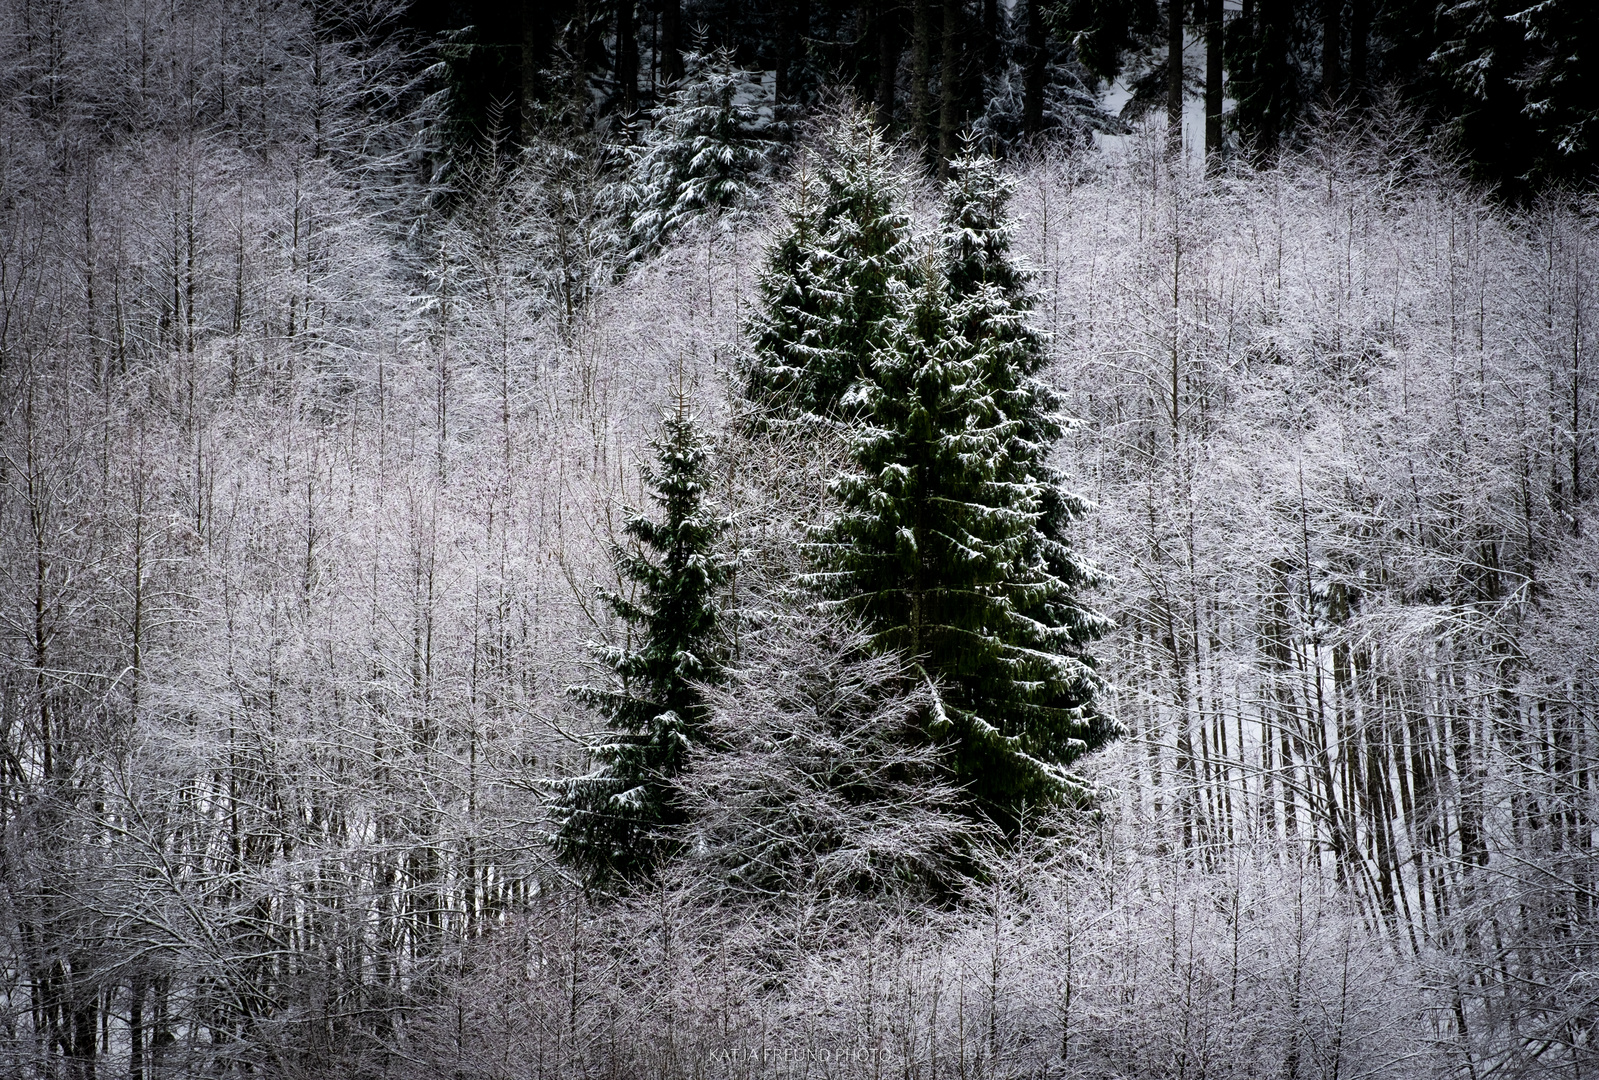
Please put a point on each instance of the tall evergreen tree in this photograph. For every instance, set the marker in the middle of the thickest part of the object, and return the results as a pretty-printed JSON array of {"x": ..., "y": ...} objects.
[
  {"x": 829, "y": 284},
  {"x": 617, "y": 821},
  {"x": 950, "y": 543},
  {"x": 993, "y": 306}
]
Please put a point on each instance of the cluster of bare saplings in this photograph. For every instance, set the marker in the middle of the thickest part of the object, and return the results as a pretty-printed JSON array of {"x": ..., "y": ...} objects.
[{"x": 307, "y": 476}]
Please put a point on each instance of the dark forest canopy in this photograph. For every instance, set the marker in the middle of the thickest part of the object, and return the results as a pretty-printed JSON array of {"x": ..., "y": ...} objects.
[{"x": 1504, "y": 81}]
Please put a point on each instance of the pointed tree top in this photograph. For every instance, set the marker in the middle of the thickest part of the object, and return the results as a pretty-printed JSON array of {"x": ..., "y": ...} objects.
[{"x": 976, "y": 227}]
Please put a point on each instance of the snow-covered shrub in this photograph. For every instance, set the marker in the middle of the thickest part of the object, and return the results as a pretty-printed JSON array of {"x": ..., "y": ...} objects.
[{"x": 824, "y": 783}]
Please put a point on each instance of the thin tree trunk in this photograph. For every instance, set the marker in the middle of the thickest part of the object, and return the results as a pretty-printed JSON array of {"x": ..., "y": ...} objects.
[
  {"x": 990, "y": 36},
  {"x": 888, "y": 50},
  {"x": 136, "y": 1029},
  {"x": 626, "y": 57},
  {"x": 84, "y": 1016},
  {"x": 1213, "y": 93},
  {"x": 1174, "y": 77},
  {"x": 1577, "y": 338},
  {"x": 787, "y": 48},
  {"x": 949, "y": 85},
  {"x": 1037, "y": 68},
  {"x": 921, "y": 70},
  {"x": 161, "y": 1036},
  {"x": 672, "y": 39},
  {"x": 1332, "y": 45},
  {"x": 1359, "y": 47}
]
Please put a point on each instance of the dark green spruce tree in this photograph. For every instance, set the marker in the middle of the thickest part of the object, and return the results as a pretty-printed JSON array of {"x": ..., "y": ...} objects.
[
  {"x": 829, "y": 285},
  {"x": 951, "y": 543},
  {"x": 788, "y": 334},
  {"x": 618, "y": 821},
  {"x": 994, "y": 309}
]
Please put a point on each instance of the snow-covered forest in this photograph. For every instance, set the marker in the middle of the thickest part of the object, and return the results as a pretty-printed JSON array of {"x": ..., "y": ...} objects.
[{"x": 485, "y": 601}]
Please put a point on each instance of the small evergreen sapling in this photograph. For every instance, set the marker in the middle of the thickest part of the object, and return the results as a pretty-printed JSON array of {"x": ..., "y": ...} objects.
[{"x": 619, "y": 820}]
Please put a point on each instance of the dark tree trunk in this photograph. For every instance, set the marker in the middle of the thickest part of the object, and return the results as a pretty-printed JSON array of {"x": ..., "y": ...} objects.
[
  {"x": 793, "y": 19},
  {"x": 783, "y": 14},
  {"x": 538, "y": 27},
  {"x": 888, "y": 49},
  {"x": 1213, "y": 64},
  {"x": 626, "y": 58},
  {"x": 85, "y": 1014},
  {"x": 672, "y": 40},
  {"x": 921, "y": 70},
  {"x": 949, "y": 87},
  {"x": 161, "y": 1036},
  {"x": 990, "y": 57},
  {"x": 1275, "y": 73},
  {"x": 136, "y": 1028},
  {"x": 1359, "y": 39},
  {"x": 1332, "y": 45},
  {"x": 990, "y": 36},
  {"x": 1174, "y": 76},
  {"x": 863, "y": 62},
  {"x": 1037, "y": 67}
]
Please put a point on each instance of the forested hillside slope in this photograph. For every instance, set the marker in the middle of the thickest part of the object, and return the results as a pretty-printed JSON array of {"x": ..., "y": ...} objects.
[{"x": 314, "y": 455}]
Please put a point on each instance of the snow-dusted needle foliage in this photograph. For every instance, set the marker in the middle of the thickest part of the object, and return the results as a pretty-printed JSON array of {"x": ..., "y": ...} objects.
[
  {"x": 937, "y": 549},
  {"x": 705, "y": 150},
  {"x": 994, "y": 308},
  {"x": 827, "y": 288}
]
